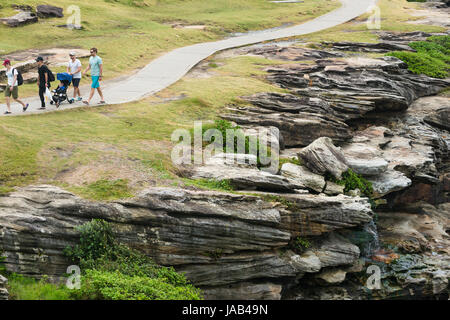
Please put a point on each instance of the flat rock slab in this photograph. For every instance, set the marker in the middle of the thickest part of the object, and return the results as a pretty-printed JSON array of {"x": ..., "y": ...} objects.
[{"x": 20, "y": 19}]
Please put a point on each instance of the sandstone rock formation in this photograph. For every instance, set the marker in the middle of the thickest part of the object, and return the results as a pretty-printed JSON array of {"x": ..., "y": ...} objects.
[
  {"x": 322, "y": 157},
  {"x": 217, "y": 239}
]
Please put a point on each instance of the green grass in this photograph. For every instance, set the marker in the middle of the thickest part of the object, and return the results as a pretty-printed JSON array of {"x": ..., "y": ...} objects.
[
  {"x": 210, "y": 184},
  {"x": 432, "y": 57},
  {"x": 395, "y": 16},
  {"x": 24, "y": 288},
  {"x": 105, "y": 190},
  {"x": 129, "y": 36},
  {"x": 107, "y": 143}
]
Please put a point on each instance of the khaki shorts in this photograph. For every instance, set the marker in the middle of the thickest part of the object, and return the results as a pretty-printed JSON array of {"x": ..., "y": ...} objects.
[{"x": 14, "y": 92}]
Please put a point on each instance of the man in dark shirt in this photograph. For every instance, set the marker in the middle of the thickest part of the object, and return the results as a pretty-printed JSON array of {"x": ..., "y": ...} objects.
[{"x": 42, "y": 82}]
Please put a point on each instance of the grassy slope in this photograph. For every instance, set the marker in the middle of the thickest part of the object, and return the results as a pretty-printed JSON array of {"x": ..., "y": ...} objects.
[
  {"x": 129, "y": 36},
  {"x": 395, "y": 15},
  {"x": 80, "y": 149}
]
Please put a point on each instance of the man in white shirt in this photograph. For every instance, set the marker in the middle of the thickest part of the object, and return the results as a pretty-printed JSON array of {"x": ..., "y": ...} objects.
[
  {"x": 74, "y": 69},
  {"x": 12, "y": 88}
]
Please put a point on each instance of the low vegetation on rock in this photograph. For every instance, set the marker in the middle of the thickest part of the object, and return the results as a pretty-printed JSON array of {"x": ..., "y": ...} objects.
[
  {"x": 432, "y": 57},
  {"x": 113, "y": 271}
]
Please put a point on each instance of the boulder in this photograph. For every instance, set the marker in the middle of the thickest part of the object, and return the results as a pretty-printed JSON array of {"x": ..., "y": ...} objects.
[
  {"x": 303, "y": 176},
  {"x": 364, "y": 159},
  {"x": 333, "y": 276},
  {"x": 47, "y": 11},
  {"x": 20, "y": 19},
  {"x": 388, "y": 182},
  {"x": 440, "y": 118},
  {"x": 333, "y": 189},
  {"x": 323, "y": 157}
]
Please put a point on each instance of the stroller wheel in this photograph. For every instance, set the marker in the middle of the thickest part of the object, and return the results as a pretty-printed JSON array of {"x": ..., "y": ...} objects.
[
  {"x": 70, "y": 101},
  {"x": 51, "y": 102}
]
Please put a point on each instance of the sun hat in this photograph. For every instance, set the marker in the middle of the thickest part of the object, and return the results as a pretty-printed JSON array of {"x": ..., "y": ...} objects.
[
  {"x": 6, "y": 62},
  {"x": 72, "y": 54}
]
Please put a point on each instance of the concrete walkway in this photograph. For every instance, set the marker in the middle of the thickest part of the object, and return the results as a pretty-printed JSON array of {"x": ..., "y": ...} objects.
[{"x": 169, "y": 68}]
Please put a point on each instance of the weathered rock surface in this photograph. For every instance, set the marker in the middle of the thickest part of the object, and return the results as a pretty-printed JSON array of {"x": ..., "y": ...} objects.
[
  {"x": 47, "y": 11},
  {"x": 303, "y": 176},
  {"x": 322, "y": 157},
  {"x": 379, "y": 47},
  {"x": 245, "y": 291},
  {"x": 20, "y": 19},
  {"x": 333, "y": 276},
  {"x": 311, "y": 215},
  {"x": 298, "y": 129},
  {"x": 364, "y": 159},
  {"x": 440, "y": 118},
  {"x": 246, "y": 178},
  {"x": 367, "y": 84},
  {"x": 3, "y": 291},
  {"x": 217, "y": 239}
]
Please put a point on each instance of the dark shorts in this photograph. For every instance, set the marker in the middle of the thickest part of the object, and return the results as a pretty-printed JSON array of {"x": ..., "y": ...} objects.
[
  {"x": 76, "y": 82},
  {"x": 14, "y": 92}
]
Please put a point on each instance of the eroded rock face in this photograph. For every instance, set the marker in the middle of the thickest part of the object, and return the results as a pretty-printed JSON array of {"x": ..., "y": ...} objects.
[
  {"x": 217, "y": 239},
  {"x": 439, "y": 118}
]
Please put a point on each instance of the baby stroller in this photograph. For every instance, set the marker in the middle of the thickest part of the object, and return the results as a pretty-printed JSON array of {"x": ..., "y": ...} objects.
[{"x": 60, "y": 93}]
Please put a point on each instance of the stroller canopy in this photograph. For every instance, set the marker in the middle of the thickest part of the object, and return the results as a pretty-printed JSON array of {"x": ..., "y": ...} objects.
[{"x": 64, "y": 76}]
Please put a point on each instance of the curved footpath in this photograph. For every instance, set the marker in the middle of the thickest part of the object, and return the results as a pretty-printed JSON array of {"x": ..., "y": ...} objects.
[{"x": 171, "y": 67}]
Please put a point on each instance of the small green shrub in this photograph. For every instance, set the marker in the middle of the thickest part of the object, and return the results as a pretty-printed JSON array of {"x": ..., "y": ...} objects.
[
  {"x": 301, "y": 244},
  {"x": 212, "y": 184},
  {"x": 351, "y": 181},
  {"x": 114, "y": 285},
  {"x": 432, "y": 57},
  {"x": 96, "y": 240},
  {"x": 290, "y": 160},
  {"x": 112, "y": 270},
  {"x": 422, "y": 63}
]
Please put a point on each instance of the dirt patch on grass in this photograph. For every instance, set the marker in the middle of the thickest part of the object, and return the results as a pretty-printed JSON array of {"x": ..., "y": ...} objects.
[{"x": 142, "y": 166}]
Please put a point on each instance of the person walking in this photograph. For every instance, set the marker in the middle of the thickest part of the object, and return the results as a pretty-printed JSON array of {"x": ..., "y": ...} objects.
[
  {"x": 12, "y": 88},
  {"x": 96, "y": 67},
  {"x": 74, "y": 69},
  {"x": 43, "y": 80}
]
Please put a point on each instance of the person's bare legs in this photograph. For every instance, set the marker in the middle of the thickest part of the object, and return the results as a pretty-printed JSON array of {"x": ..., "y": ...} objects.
[
  {"x": 8, "y": 103},
  {"x": 90, "y": 96},
  {"x": 100, "y": 93},
  {"x": 19, "y": 101}
]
